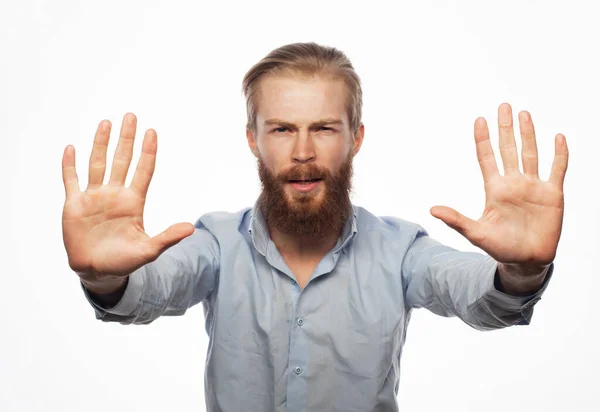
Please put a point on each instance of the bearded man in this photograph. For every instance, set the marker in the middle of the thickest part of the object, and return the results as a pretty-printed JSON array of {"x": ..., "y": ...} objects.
[{"x": 307, "y": 297}]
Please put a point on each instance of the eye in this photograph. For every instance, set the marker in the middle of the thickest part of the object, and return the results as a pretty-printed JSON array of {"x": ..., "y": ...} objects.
[
  {"x": 280, "y": 130},
  {"x": 326, "y": 129}
]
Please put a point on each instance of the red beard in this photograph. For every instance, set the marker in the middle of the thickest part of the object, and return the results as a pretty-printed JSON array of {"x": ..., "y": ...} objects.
[{"x": 307, "y": 214}]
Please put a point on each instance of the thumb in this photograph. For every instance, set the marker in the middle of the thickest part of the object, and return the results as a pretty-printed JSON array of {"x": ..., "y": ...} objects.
[
  {"x": 455, "y": 220},
  {"x": 170, "y": 237}
]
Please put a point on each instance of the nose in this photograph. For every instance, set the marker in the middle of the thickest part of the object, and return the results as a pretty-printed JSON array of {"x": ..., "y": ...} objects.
[{"x": 304, "y": 149}]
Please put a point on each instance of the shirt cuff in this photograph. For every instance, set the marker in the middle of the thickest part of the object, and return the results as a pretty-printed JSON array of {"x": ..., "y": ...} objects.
[
  {"x": 129, "y": 302},
  {"x": 511, "y": 303}
]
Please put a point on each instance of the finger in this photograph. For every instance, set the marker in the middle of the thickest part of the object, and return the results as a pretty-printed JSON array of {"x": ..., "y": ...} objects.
[
  {"x": 145, "y": 168},
  {"x": 456, "y": 221},
  {"x": 561, "y": 161},
  {"x": 124, "y": 151},
  {"x": 170, "y": 237},
  {"x": 508, "y": 146},
  {"x": 529, "y": 151},
  {"x": 97, "y": 166},
  {"x": 69, "y": 173},
  {"x": 485, "y": 153}
]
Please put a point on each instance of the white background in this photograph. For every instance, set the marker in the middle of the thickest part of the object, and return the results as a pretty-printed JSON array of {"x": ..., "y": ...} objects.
[{"x": 428, "y": 70}]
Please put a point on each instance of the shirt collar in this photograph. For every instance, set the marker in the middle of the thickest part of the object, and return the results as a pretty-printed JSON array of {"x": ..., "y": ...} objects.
[{"x": 260, "y": 233}]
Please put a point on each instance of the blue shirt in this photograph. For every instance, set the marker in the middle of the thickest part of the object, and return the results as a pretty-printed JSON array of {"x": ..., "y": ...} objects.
[{"x": 334, "y": 345}]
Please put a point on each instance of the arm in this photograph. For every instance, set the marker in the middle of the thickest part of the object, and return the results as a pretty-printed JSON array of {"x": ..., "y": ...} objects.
[
  {"x": 519, "y": 230},
  {"x": 127, "y": 275},
  {"x": 181, "y": 277},
  {"x": 463, "y": 284}
]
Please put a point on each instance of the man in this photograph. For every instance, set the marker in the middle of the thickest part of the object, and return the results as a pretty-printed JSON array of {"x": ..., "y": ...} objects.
[{"x": 307, "y": 297}]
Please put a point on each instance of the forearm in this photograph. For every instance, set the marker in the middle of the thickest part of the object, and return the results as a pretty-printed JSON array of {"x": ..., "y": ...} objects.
[
  {"x": 181, "y": 277},
  {"x": 463, "y": 284},
  {"x": 493, "y": 306},
  {"x": 449, "y": 282}
]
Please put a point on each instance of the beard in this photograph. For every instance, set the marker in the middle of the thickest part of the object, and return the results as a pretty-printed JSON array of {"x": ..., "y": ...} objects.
[{"x": 310, "y": 214}]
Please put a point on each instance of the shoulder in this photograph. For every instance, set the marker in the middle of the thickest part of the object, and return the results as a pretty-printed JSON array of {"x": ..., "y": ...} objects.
[
  {"x": 390, "y": 228},
  {"x": 223, "y": 221}
]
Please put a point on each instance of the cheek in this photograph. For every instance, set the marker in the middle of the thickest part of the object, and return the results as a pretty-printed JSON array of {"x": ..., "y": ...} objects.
[
  {"x": 338, "y": 157},
  {"x": 335, "y": 147},
  {"x": 269, "y": 162},
  {"x": 274, "y": 158}
]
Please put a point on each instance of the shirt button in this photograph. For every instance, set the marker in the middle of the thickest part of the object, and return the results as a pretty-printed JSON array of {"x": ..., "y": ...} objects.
[
  {"x": 298, "y": 370},
  {"x": 300, "y": 321}
]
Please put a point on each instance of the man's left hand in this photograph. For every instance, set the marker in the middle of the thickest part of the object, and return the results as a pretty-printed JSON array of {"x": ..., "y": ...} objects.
[{"x": 522, "y": 220}]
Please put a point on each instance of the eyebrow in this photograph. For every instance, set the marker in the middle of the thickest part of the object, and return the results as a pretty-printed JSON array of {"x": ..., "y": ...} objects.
[{"x": 321, "y": 122}]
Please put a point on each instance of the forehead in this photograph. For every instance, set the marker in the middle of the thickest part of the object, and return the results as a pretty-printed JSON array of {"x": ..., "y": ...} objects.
[{"x": 301, "y": 99}]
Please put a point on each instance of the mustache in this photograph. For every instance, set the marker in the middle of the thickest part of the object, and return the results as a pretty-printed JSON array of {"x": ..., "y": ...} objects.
[{"x": 304, "y": 172}]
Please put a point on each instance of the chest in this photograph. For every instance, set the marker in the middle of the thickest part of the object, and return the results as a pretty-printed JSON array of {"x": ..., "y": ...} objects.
[
  {"x": 351, "y": 300},
  {"x": 349, "y": 321},
  {"x": 302, "y": 270}
]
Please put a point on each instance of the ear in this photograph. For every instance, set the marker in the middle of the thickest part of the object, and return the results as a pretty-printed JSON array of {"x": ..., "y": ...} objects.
[
  {"x": 252, "y": 142},
  {"x": 358, "y": 139}
]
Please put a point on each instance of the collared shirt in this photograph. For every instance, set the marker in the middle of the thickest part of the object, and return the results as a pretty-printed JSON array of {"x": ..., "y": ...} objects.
[{"x": 334, "y": 345}]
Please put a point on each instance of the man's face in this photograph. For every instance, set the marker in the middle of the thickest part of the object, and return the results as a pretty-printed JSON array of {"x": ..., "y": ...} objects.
[{"x": 304, "y": 148}]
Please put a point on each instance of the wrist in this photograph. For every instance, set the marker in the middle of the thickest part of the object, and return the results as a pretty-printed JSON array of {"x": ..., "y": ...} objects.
[
  {"x": 103, "y": 284},
  {"x": 520, "y": 279}
]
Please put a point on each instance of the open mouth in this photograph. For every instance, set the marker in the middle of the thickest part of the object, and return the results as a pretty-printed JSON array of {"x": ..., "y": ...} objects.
[{"x": 306, "y": 181}]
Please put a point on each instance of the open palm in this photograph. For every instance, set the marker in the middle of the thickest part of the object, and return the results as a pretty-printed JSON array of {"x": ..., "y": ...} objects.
[
  {"x": 103, "y": 227},
  {"x": 522, "y": 219}
]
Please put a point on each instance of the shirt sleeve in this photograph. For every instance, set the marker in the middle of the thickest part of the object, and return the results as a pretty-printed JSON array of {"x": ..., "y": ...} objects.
[
  {"x": 453, "y": 283},
  {"x": 181, "y": 277}
]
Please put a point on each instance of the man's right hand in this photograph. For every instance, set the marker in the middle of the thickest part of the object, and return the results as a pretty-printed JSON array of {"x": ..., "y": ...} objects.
[{"x": 103, "y": 227}]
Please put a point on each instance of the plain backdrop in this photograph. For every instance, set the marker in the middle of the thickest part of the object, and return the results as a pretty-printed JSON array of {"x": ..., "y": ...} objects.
[{"x": 429, "y": 69}]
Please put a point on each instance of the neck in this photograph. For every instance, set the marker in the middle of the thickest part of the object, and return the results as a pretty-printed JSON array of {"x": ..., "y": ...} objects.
[{"x": 305, "y": 246}]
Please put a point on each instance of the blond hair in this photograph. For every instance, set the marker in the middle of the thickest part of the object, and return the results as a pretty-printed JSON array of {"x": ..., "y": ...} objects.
[{"x": 309, "y": 59}]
